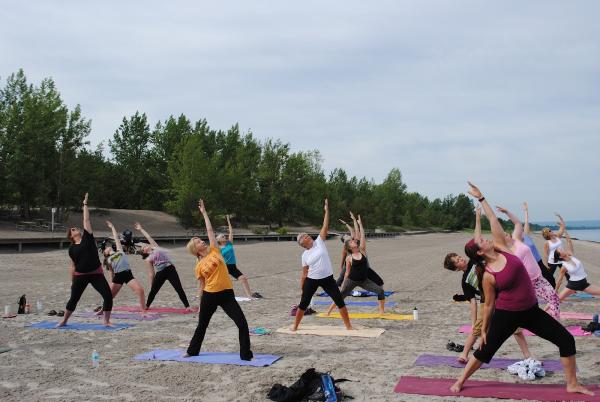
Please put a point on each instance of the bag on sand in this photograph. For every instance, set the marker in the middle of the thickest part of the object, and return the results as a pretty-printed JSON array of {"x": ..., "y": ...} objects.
[{"x": 312, "y": 386}]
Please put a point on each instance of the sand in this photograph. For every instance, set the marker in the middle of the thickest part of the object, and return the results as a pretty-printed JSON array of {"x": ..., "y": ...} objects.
[{"x": 57, "y": 365}]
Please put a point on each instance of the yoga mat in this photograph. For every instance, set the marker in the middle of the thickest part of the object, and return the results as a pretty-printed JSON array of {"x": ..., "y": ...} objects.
[
  {"x": 363, "y": 293},
  {"x": 4, "y": 350},
  {"x": 164, "y": 310},
  {"x": 574, "y": 330},
  {"x": 355, "y": 303},
  {"x": 579, "y": 295},
  {"x": 79, "y": 326},
  {"x": 322, "y": 330},
  {"x": 491, "y": 389},
  {"x": 243, "y": 299},
  {"x": 208, "y": 358},
  {"x": 365, "y": 316},
  {"x": 576, "y": 316},
  {"x": 496, "y": 363},
  {"x": 119, "y": 316}
]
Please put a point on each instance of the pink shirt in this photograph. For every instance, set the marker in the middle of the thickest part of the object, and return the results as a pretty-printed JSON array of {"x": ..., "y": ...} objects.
[
  {"x": 514, "y": 291},
  {"x": 524, "y": 253}
]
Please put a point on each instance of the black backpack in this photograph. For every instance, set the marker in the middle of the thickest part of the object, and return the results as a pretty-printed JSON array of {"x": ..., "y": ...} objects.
[
  {"x": 592, "y": 327},
  {"x": 307, "y": 388}
]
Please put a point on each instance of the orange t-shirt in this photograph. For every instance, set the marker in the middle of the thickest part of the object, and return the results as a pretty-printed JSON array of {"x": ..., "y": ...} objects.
[{"x": 214, "y": 271}]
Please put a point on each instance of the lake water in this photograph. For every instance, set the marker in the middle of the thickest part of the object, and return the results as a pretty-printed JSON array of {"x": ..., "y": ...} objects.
[{"x": 589, "y": 234}]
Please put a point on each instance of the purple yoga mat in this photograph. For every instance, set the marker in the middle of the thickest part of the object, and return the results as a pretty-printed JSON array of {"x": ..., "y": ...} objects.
[
  {"x": 574, "y": 330},
  {"x": 498, "y": 363},
  {"x": 491, "y": 389},
  {"x": 166, "y": 310},
  {"x": 208, "y": 358},
  {"x": 119, "y": 316}
]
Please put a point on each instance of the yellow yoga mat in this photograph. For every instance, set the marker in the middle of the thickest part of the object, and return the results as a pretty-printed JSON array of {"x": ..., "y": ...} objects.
[
  {"x": 326, "y": 330},
  {"x": 360, "y": 316}
]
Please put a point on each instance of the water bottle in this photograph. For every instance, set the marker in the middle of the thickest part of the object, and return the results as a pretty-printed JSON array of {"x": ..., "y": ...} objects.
[
  {"x": 328, "y": 388},
  {"x": 595, "y": 318},
  {"x": 39, "y": 306},
  {"x": 95, "y": 359},
  {"x": 415, "y": 314}
]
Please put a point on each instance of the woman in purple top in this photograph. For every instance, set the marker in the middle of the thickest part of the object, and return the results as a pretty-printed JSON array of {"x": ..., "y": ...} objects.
[{"x": 510, "y": 295}]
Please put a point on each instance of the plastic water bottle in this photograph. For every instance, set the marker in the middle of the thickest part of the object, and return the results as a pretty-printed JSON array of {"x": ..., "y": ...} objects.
[
  {"x": 595, "y": 318},
  {"x": 39, "y": 306},
  {"x": 415, "y": 314},
  {"x": 95, "y": 359}
]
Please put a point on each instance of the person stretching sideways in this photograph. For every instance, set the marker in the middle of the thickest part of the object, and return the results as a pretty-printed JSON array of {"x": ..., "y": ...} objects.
[{"x": 577, "y": 281}]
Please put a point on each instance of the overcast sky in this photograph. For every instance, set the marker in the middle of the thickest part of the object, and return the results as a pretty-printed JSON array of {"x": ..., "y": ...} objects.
[{"x": 504, "y": 93}]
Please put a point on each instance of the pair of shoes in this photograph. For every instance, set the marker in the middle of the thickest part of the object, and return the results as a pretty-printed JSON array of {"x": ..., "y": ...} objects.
[
  {"x": 257, "y": 295},
  {"x": 99, "y": 308},
  {"x": 60, "y": 313},
  {"x": 310, "y": 311},
  {"x": 52, "y": 312},
  {"x": 454, "y": 347}
]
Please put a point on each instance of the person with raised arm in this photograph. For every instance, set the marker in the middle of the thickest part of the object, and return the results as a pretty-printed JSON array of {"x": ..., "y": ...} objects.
[
  {"x": 543, "y": 289},
  {"x": 530, "y": 243},
  {"x": 553, "y": 243},
  {"x": 577, "y": 281},
  {"x": 160, "y": 269},
  {"x": 120, "y": 270},
  {"x": 510, "y": 303},
  {"x": 357, "y": 270},
  {"x": 226, "y": 246},
  {"x": 317, "y": 271},
  {"x": 216, "y": 290},
  {"x": 86, "y": 268}
]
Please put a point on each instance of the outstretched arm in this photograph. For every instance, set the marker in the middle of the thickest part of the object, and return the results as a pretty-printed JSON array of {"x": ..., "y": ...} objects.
[
  {"x": 87, "y": 224},
  {"x": 526, "y": 227},
  {"x": 562, "y": 226},
  {"x": 356, "y": 227},
  {"x": 139, "y": 228},
  {"x": 115, "y": 236},
  {"x": 477, "y": 232},
  {"x": 363, "y": 237},
  {"x": 497, "y": 231},
  {"x": 352, "y": 233},
  {"x": 325, "y": 228},
  {"x": 570, "y": 248},
  {"x": 561, "y": 276},
  {"x": 230, "y": 229},
  {"x": 518, "y": 231},
  {"x": 209, "y": 230}
]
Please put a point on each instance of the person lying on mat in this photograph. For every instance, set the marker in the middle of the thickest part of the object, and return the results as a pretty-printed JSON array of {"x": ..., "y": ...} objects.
[
  {"x": 510, "y": 303},
  {"x": 357, "y": 269},
  {"x": 216, "y": 290},
  {"x": 577, "y": 281},
  {"x": 471, "y": 286},
  {"x": 317, "y": 271}
]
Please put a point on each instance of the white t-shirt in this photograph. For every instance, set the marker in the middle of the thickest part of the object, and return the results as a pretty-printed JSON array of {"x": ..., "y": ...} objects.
[
  {"x": 575, "y": 269},
  {"x": 317, "y": 260},
  {"x": 552, "y": 246}
]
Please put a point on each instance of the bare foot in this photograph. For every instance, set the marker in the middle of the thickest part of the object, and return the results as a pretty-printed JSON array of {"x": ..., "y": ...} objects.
[
  {"x": 351, "y": 328},
  {"x": 108, "y": 324},
  {"x": 61, "y": 324},
  {"x": 293, "y": 328},
  {"x": 579, "y": 389},
  {"x": 456, "y": 387},
  {"x": 185, "y": 355},
  {"x": 99, "y": 312},
  {"x": 190, "y": 309}
]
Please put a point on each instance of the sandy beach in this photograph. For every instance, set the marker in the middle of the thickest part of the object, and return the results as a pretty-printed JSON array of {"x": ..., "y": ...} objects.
[{"x": 56, "y": 365}]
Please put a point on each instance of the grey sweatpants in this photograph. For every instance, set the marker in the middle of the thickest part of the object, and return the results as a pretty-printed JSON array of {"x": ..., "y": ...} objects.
[{"x": 367, "y": 284}]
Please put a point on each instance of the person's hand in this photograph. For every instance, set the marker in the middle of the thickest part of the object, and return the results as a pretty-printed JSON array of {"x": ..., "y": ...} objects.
[
  {"x": 326, "y": 206},
  {"x": 342, "y": 221},
  {"x": 201, "y": 206},
  {"x": 109, "y": 224},
  {"x": 359, "y": 220},
  {"x": 227, "y": 216},
  {"x": 561, "y": 221},
  {"x": 85, "y": 199},
  {"x": 352, "y": 215},
  {"x": 474, "y": 191},
  {"x": 137, "y": 226},
  {"x": 525, "y": 207},
  {"x": 501, "y": 209},
  {"x": 483, "y": 340}
]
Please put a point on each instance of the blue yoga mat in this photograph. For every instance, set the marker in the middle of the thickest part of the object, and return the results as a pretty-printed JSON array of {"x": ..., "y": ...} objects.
[
  {"x": 208, "y": 358},
  {"x": 581, "y": 296},
  {"x": 355, "y": 303},
  {"x": 363, "y": 293},
  {"x": 79, "y": 326}
]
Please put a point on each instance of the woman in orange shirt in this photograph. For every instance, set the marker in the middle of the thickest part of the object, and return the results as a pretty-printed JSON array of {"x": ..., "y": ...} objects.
[{"x": 216, "y": 290}]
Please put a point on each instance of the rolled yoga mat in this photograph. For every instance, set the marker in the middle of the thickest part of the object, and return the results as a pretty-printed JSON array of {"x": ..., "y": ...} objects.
[
  {"x": 426, "y": 360},
  {"x": 79, "y": 326},
  {"x": 491, "y": 389},
  {"x": 164, "y": 310},
  {"x": 324, "y": 330},
  {"x": 208, "y": 358},
  {"x": 354, "y": 303},
  {"x": 119, "y": 316},
  {"x": 373, "y": 316},
  {"x": 574, "y": 330}
]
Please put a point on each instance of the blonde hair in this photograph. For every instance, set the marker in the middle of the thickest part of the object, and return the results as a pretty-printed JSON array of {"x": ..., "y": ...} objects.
[
  {"x": 546, "y": 233},
  {"x": 191, "y": 246},
  {"x": 221, "y": 237}
]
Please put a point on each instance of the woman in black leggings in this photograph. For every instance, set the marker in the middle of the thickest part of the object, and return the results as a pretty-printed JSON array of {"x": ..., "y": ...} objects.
[
  {"x": 510, "y": 294},
  {"x": 86, "y": 268},
  {"x": 160, "y": 269},
  {"x": 216, "y": 290}
]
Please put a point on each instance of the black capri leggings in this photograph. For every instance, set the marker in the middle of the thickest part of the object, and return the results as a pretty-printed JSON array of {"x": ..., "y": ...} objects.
[
  {"x": 98, "y": 281},
  {"x": 549, "y": 276},
  {"x": 208, "y": 305},
  {"x": 328, "y": 284},
  {"x": 167, "y": 274},
  {"x": 504, "y": 323}
]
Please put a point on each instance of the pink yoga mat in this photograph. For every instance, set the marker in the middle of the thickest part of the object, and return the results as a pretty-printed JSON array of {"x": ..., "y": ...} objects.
[
  {"x": 574, "y": 330},
  {"x": 491, "y": 389},
  {"x": 165, "y": 310},
  {"x": 576, "y": 316}
]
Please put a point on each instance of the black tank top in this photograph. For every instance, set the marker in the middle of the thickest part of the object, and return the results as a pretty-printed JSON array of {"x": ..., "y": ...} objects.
[{"x": 360, "y": 269}]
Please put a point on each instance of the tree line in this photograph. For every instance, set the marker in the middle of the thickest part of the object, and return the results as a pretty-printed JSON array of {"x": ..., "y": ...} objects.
[{"x": 46, "y": 160}]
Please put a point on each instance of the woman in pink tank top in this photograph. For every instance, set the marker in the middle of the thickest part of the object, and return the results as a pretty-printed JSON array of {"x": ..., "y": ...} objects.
[{"x": 510, "y": 303}]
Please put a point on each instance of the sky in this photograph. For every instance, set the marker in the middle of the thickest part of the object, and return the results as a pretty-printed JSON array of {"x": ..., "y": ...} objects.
[{"x": 505, "y": 94}]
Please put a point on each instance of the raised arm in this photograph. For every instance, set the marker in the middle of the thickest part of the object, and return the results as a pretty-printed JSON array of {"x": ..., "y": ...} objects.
[
  {"x": 139, "y": 228},
  {"x": 518, "y": 230},
  {"x": 352, "y": 233},
  {"x": 562, "y": 226},
  {"x": 87, "y": 224},
  {"x": 477, "y": 232},
  {"x": 570, "y": 248},
  {"x": 115, "y": 236},
  {"x": 325, "y": 228},
  {"x": 209, "y": 230},
  {"x": 526, "y": 227},
  {"x": 356, "y": 228},
  {"x": 363, "y": 237},
  {"x": 230, "y": 229},
  {"x": 497, "y": 231}
]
